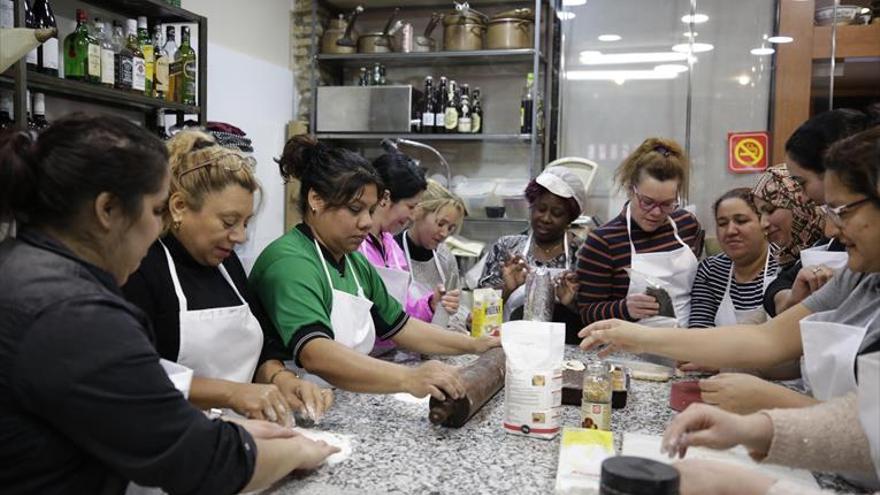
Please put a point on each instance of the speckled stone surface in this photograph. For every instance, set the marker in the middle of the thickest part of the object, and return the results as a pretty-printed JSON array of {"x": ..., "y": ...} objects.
[{"x": 397, "y": 450}]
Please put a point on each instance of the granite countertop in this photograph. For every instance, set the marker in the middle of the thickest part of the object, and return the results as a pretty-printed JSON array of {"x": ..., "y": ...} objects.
[{"x": 397, "y": 450}]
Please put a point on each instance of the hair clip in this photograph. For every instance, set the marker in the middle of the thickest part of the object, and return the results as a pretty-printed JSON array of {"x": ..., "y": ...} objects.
[{"x": 662, "y": 150}]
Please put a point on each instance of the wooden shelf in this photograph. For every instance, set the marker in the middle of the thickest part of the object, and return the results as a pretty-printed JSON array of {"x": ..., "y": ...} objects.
[
  {"x": 83, "y": 91},
  {"x": 521, "y": 56},
  {"x": 852, "y": 41},
  {"x": 501, "y": 138}
]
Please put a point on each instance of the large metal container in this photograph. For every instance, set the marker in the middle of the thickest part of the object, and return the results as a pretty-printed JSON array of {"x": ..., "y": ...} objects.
[
  {"x": 364, "y": 108},
  {"x": 463, "y": 32}
]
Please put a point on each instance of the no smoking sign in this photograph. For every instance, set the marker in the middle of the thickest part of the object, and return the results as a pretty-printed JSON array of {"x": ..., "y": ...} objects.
[{"x": 747, "y": 152}]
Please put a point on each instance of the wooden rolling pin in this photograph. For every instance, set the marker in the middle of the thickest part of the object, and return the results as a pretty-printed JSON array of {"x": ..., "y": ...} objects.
[{"x": 482, "y": 380}]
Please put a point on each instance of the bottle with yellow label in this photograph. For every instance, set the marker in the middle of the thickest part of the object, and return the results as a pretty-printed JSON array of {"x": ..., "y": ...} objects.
[{"x": 148, "y": 51}]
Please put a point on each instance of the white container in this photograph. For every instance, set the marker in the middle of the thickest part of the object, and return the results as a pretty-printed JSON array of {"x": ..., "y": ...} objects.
[
  {"x": 513, "y": 198},
  {"x": 180, "y": 375},
  {"x": 476, "y": 193}
]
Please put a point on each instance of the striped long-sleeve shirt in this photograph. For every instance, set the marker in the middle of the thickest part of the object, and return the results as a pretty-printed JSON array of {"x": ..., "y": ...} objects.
[
  {"x": 710, "y": 284},
  {"x": 605, "y": 255}
]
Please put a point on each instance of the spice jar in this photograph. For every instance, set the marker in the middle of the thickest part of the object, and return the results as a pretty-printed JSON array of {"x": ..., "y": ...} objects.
[
  {"x": 627, "y": 475},
  {"x": 619, "y": 386},
  {"x": 596, "y": 398}
]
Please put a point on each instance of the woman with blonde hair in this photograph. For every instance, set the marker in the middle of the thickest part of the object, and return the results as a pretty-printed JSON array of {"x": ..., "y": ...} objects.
[
  {"x": 194, "y": 289},
  {"x": 438, "y": 215}
]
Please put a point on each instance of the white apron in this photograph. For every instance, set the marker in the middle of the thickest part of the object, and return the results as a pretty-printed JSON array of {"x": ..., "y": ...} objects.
[
  {"x": 221, "y": 343},
  {"x": 676, "y": 269},
  {"x": 869, "y": 403},
  {"x": 395, "y": 278},
  {"x": 517, "y": 298},
  {"x": 350, "y": 319},
  {"x": 728, "y": 314},
  {"x": 418, "y": 290},
  {"x": 830, "y": 351},
  {"x": 820, "y": 255}
]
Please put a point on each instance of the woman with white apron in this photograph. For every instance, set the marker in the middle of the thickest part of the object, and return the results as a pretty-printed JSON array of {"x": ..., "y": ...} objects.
[
  {"x": 328, "y": 302},
  {"x": 729, "y": 287},
  {"x": 830, "y": 327},
  {"x": 648, "y": 251},
  {"x": 556, "y": 199}
]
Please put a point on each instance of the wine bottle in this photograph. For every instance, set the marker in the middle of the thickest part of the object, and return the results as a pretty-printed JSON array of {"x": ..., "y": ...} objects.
[
  {"x": 148, "y": 50},
  {"x": 76, "y": 49},
  {"x": 428, "y": 111},
  {"x": 138, "y": 68},
  {"x": 477, "y": 113},
  {"x": 30, "y": 22},
  {"x": 451, "y": 114},
  {"x": 93, "y": 55},
  {"x": 160, "y": 71},
  {"x": 47, "y": 53},
  {"x": 464, "y": 118},
  {"x": 187, "y": 56},
  {"x": 526, "y": 105},
  {"x": 123, "y": 60},
  {"x": 108, "y": 54},
  {"x": 482, "y": 380},
  {"x": 440, "y": 106},
  {"x": 174, "y": 69},
  {"x": 39, "y": 122}
]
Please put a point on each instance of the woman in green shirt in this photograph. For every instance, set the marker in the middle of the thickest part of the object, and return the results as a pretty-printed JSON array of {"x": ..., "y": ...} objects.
[{"x": 326, "y": 300}]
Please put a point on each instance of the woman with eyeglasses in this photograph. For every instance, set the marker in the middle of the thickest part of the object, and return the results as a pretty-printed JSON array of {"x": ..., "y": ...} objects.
[
  {"x": 193, "y": 288},
  {"x": 830, "y": 328},
  {"x": 650, "y": 249},
  {"x": 805, "y": 159}
]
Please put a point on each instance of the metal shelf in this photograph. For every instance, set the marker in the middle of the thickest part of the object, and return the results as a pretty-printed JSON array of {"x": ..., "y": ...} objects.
[
  {"x": 154, "y": 9},
  {"x": 520, "y": 56},
  {"x": 415, "y": 4},
  {"x": 83, "y": 91},
  {"x": 503, "y": 138}
]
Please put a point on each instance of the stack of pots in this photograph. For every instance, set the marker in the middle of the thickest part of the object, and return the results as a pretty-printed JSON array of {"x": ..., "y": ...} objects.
[
  {"x": 469, "y": 30},
  {"x": 511, "y": 30}
]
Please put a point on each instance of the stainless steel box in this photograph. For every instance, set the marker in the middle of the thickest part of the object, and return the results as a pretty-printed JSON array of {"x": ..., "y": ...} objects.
[{"x": 364, "y": 108}]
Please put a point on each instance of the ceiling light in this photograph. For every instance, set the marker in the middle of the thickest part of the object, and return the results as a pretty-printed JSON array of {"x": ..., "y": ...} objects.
[
  {"x": 696, "y": 18},
  {"x": 609, "y": 37},
  {"x": 565, "y": 15},
  {"x": 674, "y": 68},
  {"x": 780, "y": 39},
  {"x": 573, "y": 3},
  {"x": 744, "y": 80},
  {"x": 691, "y": 34},
  {"x": 618, "y": 75},
  {"x": 592, "y": 57},
  {"x": 865, "y": 10},
  {"x": 762, "y": 51},
  {"x": 693, "y": 47}
]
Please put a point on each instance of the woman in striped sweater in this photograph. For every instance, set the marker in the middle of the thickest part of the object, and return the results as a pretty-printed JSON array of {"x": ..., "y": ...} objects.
[
  {"x": 729, "y": 288},
  {"x": 652, "y": 235}
]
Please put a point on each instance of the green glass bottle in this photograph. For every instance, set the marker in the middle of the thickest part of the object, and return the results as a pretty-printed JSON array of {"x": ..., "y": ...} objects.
[
  {"x": 187, "y": 56},
  {"x": 76, "y": 49},
  {"x": 147, "y": 49}
]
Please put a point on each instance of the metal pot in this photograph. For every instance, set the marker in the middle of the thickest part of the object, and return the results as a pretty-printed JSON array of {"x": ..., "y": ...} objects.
[
  {"x": 379, "y": 42},
  {"x": 425, "y": 43},
  {"x": 340, "y": 36},
  {"x": 463, "y": 31},
  {"x": 510, "y": 33}
]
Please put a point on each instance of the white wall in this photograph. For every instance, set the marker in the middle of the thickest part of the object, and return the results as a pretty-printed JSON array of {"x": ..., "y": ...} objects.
[{"x": 250, "y": 85}]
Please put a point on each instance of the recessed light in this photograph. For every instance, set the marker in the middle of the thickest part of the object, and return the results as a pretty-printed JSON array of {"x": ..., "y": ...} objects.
[
  {"x": 691, "y": 34},
  {"x": 763, "y": 51},
  {"x": 674, "y": 68},
  {"x": 609, "y": 37},
  {"x": 696, "y": 18},
  {"x": 692, "y": 47},
  {"x": 743, "y": 80},
  {"x": 565, "y": 15},
  {"x": 780, "y": 39},
  {"x": 573, "y": 3}
]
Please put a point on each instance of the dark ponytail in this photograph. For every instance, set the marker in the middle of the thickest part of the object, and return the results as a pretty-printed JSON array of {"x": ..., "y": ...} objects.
[
  {"x": 402, "y": 177},
  {"x": 46, "y": 180},
  {"x": 337, "y": 175},
  {"x": 808, "y": 144}
]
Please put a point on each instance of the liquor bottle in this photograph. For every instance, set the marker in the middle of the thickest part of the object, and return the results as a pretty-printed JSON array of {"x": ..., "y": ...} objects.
[
  {"x": 170, "y": 47},
  {"x": 39, "y": 122},
  {"x": 376, "y": 75},
  {"x": 477, "y": 113},
  {"x": 108, "y": 54},
  {"x": 30, "y": 22},
  {"x": 76, "y": 49},
  {"x": 428, "y": 111},
  {"x": 148, "y": 50},
  {"x": 363, "y": 80},
  {"x": 440, "y": 106},
  {"x": 382, "y": 76},
  {"x": 163, "y": 60},
  {"x": 6, "y": 111},
  {"x": 161, "y": 129},
  {"x": 187, "y": 56},
  {"x": 123, "y": 61},
  {"x": 138, "y": 69},
  {"x": 464, "y": 114},
  {"x": 451, "y": 113},
  {"x": 481, "y": 379},
  {"x": 526, "y": 105},
  {"x": 47, "y": 53}
]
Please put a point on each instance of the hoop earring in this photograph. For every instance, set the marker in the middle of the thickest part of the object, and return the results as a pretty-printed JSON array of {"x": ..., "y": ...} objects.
[{"x": 176, "y": 225}]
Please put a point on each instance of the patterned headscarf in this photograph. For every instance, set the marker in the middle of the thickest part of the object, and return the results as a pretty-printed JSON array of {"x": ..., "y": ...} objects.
[{"x": 776, "y": 187}]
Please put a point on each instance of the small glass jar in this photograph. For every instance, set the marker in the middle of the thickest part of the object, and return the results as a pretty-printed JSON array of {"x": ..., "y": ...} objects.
[{"x": 596, "y": 399}]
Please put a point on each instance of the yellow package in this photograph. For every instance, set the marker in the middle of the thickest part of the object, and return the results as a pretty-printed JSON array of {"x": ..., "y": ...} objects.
[{"x": 486, "y": 311}]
